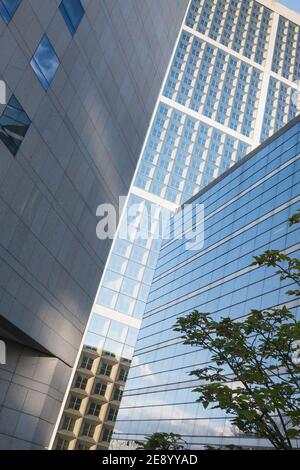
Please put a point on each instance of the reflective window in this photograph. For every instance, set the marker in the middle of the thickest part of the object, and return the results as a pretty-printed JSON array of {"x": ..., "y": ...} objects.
[
  {"x": 8, "y": 8},
  {"x": 132, "y": 336},
  {"x": 14, "y": 124},
  {"x": 72, "y": 12},
  {"x": 125, "y": 304},
  {"x": 117, "y": 331},
  {"x": 93, "y": 341},
  {"x": 112, "y": 348},
  {"x": 45, "y": 62},
  {"x": 99, "y": 325}
]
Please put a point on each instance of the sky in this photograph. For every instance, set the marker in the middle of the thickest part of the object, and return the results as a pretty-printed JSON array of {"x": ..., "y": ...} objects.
[{"x": 295, "y": 4}]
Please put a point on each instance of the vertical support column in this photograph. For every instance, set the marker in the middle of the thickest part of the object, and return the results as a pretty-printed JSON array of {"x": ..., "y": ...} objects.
[{"x": 265, "y": 81}]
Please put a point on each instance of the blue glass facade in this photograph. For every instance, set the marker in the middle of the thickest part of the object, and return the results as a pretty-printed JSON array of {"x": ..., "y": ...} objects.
[{"x": 246, "y": 213}]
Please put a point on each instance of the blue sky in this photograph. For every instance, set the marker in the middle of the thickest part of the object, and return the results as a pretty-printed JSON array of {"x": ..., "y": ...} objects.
[{"x": 295, "y": 4}]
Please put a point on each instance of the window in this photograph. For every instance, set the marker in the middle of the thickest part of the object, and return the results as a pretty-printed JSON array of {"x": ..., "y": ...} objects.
[
  {"x": 117, "y": 331},
  {"x": 123, "y": 375},
  {"x": 80, "y": 446},
  {"x": 8, "y": 8},
  {"x": 100, "y": 389},
  {"x": 68, "y": 423},
  {"x": 62, "y": 444},
  {"x": 87, "y": 363},
  {"x": 81, "y": 382},
  {"x": 94, "y": 409},
  {"x": 75, "y": 403},
  {"x": 72, "y": 12},
  {"x": 14, "y": 124},
  {"x": 106, "y": 435},
  {"x": 88, "y": 429},
  {"x": 45, "y": 62},
  {"x": 112, "y": 414},
  {"x": 105, "y": 369},
  {"x": 118, "y": 392}
]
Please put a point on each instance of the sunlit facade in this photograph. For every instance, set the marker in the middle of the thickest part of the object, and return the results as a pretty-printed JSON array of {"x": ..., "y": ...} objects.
[
  {"x": 246, "y": 213},
  {"x": 217, "y": 103}
]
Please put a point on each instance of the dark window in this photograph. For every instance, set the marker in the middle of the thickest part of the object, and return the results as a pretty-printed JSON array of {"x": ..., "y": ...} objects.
[
  {"x": 106, "y": 435},
  {"x": 45, "y": 62},
  {"x": 81, "y": 446},
  {"x": 94, "y": 409},
  {"x": 123, "y": 375},
  {"x": 14, "y": 124},
  {"x": 87, "y": 363},
  {"x": 68, "y": 424},
  {"x": 72, "y": 12},
  {"x": 105, "y": 369},
  {"x": 75, "y": 403},
  {"x": 81, "y": 382},
  {"x": 112, "y": 414},
  {"x": 62, "y": 444},
  {"x": 88, "y": 430},
  {"x": 100, "y": 389},
  {"x": 8, "y": 8},
  {"x": 118, "y": 392}
]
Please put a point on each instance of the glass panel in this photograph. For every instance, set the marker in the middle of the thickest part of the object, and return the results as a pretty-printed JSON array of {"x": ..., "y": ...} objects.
[
  {"x": 112, "y": 347},
  {"x": 107, "y": 297},
  {"x": 8, "y": 8},
  {"x": 45, "y": 62},
  {"x": 14, "y": 124},
  {"x": 132, "y": 336},
  {"x": 72, "y": 12},
  {"x": 112, "y": 280},
  {"x": 117, "y": 331},
  {"x": 125, "y": 304},
  {"x": 99, "y": 325}
]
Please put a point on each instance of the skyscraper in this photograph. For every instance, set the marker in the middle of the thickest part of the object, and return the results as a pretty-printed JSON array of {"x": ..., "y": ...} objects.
[
  {"x": 246, "y": 213},
  {"x": 229, "y": 85},
  {"x": 82, "y": 78}
]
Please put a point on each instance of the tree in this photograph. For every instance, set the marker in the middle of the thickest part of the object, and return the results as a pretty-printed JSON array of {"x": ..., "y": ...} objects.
[
  {"x": 164, "y": 441},
  {"x": 253, "y": 374}
]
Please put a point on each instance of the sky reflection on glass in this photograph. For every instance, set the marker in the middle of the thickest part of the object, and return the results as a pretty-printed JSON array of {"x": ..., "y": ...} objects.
[{"x": 45, "y": 62}]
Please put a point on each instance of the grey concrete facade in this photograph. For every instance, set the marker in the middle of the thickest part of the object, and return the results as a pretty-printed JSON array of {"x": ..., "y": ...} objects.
[{"x": 81, "y": 149}]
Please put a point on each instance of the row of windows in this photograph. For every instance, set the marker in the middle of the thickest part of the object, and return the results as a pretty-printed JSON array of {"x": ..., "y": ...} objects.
[
  {"x": 286, "y": 59},
  {"x": 87, "y": 430},
  {"x": 227, "y": 22},
  {"x": 183, "y": 154},
  {"x": 215, "y": 84}
]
